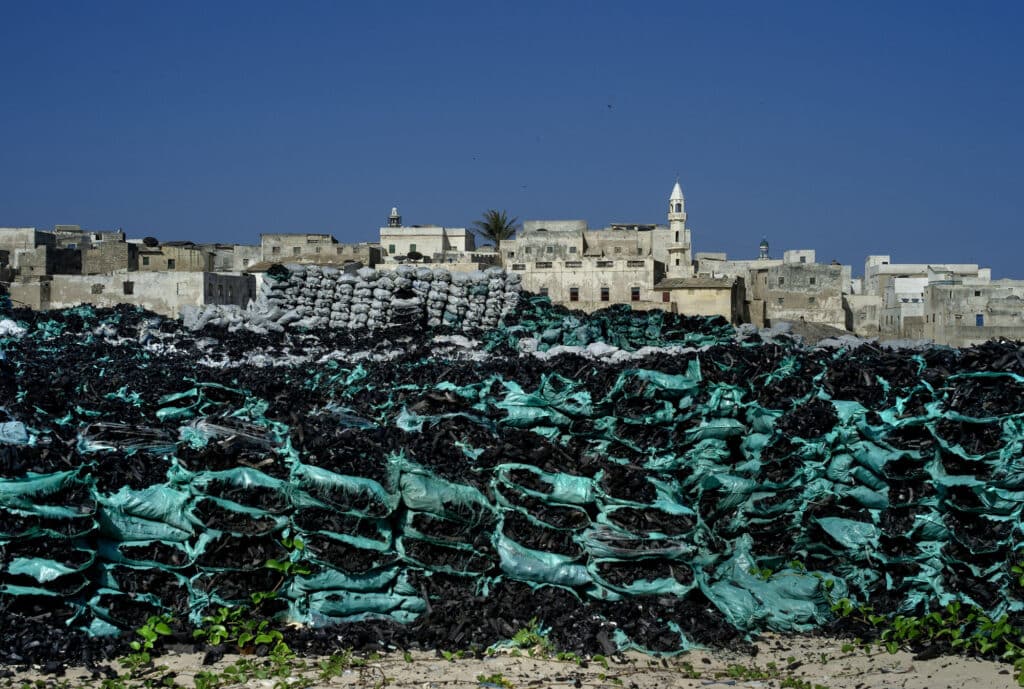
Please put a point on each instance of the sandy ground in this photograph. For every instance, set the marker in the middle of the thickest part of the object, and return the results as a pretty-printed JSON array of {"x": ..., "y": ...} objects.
[{"x": 801, "y": 663}]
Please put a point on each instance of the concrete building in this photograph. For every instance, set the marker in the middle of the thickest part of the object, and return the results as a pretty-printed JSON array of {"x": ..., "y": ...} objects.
[
  {"x": 801, "y": 289},
  {"x": 435, "y": 243},
  {"x": 902, "y": 315},
  {"x": 74, "y": 237},
  {"x": 243, "y": 256},
  {"x": 961, "y": 311},
  {"x": 703, "y": 296},
  {"x": 879, "y": 270},
  {"x": 319, "y": 249},
  {"x": 176, "y": 256},
  {"x": 590, "y": 269},
  {"x": 162, "y": 292}
]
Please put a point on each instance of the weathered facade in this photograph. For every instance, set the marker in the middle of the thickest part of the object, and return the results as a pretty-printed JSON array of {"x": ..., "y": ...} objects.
[
  {"x": 176, "y": 256},
  {"x": 49, "y": 260},
  {"x": 961, "y": 312},
  {"x": 162, "y": 292},
  {"x": 591, "y": 283},
  {"x": 701, "y": 296},
  {"x": 245, "y": 255},
  {"x": 110, "y": 257},
  {"x": 74, "y": 237},
  {"x": 590, "y": 269},
  {"x": 807, "y": 291}
]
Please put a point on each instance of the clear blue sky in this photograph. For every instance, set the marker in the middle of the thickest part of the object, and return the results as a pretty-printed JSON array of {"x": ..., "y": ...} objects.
[{"x": 847, "y": 127}]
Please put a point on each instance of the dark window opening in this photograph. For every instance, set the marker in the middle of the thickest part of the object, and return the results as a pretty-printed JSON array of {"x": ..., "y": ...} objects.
[
  {"x": 605, "y": 294},
  {"x": 634, "y": 294},
  {"x": 665, "y": 296},
  {"x": 574, "y": 294},
  {"x": 170, "y": 264}
]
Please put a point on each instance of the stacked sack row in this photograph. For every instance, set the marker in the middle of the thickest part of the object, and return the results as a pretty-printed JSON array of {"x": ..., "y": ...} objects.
[{"x": 310, "y": 296}]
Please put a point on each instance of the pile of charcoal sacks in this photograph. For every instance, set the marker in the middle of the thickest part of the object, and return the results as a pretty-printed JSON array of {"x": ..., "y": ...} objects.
[{"x": 632, "y": 479}]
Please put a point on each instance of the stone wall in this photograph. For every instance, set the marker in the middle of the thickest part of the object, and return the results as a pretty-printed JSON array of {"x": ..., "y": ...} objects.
[{"x": 109, "y": 257}]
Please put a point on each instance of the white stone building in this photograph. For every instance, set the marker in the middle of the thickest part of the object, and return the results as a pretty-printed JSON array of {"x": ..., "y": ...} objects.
[
  {"x": 435, "y": 243},
  {"x": 591, "y": 269}
]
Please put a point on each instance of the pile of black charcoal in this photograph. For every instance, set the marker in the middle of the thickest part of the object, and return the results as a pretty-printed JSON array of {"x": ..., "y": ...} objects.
[{"x": 630, "y": 479}]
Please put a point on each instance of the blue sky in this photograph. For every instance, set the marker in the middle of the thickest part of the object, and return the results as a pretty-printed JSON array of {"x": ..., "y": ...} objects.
[{"x": 851, "y": 128}]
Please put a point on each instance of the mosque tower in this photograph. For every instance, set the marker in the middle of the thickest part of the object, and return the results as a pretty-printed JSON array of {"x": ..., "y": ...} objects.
[{"x": 680, "y": 258}]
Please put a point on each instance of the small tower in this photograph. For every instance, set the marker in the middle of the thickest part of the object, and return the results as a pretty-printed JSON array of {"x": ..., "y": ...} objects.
[
  {"x": 394, "y": 220},
  {"x": 676, "y": 208},
  {"x": 680, "y": 261},
  {"x": 762, "y": 253}
]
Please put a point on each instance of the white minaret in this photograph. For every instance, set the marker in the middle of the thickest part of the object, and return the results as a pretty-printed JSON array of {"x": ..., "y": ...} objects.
[
  {"x": 680, "y": 259},
  {"x": 677, "y": 209},
  {"x": 394, "y": 220}
]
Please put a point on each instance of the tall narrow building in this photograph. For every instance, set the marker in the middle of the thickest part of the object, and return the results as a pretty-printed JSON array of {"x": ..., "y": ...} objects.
[{"x": 680, "y": 255}]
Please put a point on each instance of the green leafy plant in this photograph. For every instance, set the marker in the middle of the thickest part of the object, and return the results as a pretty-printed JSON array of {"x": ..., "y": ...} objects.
[
  {"x": 533, "y": 639},
  {"x": 240, "y": 626},
  {"x": 141, "y": 660},
  {"x": 497, "y": 680}
]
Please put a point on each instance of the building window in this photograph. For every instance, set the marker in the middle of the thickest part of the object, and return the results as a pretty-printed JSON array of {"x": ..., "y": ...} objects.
[
  {"x": 511, "y": 254},
  {"x": 605, "y": 294},
  {"x": 677, "y": 236},
  {"x": 543, "y": 264},
  {"x": 665, "y": 297},
  {"x": 318, "y": 249},
  {"x": 145, "y": 260},
  {"x": 543, "y": 291},
  {"x": 275, "y": 249},
  {"x": 803, "y": 259},
  {"x": 977, "y": 293},
  {"x": 782, "y": 281},
  {"x": 245, "y": 261},
  {"x": 574, "y": 264},
  {"x": 635, "y": 264},
  {"x": 618, "y": 249},
  {"x": 634, "y": 294},
  {"x": 811, "y": 300},
  {"x": 574, "y": 294},
  {"x": 529, "y": 249},
  {"x": 412, "y": 248},
  {"x": 391, "y": 248},
  {"x": 518, "y": 266},
  {"x": 170, "y": 264},
  {"x": 605, "y": 264},
  {"x": 813, "y": 280},
  {"x": 296, "y": 250},
  {"x": 129, "y": 287},
  {"x": 572, "y": 249},
  {"x": 979, "y": 319},
  {"x": 781, "y": 300},
  {"x": 549, "y": 249},
  {"x": 678, "y": 261}
]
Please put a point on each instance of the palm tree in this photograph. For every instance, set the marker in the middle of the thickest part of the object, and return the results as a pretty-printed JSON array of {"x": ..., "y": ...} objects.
[{"x": 496, "y": 226}]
